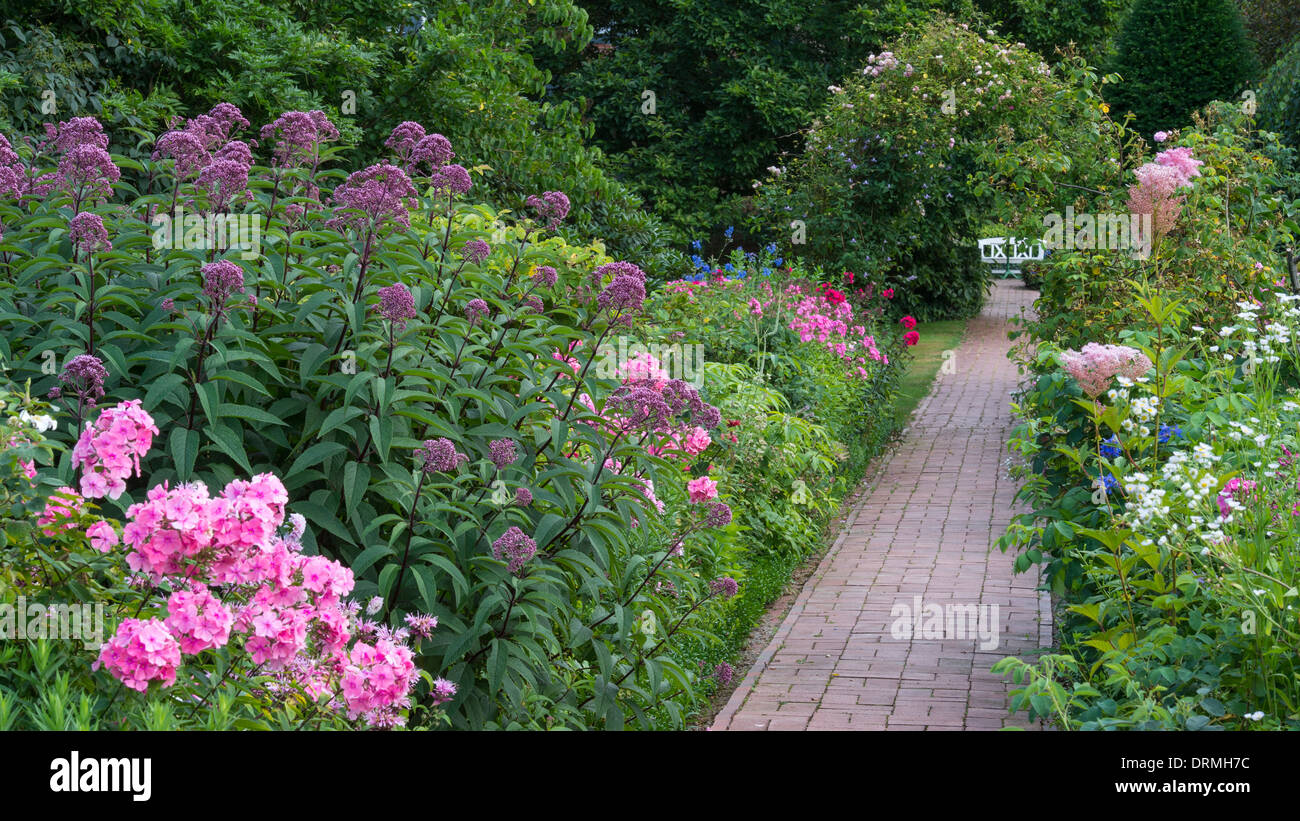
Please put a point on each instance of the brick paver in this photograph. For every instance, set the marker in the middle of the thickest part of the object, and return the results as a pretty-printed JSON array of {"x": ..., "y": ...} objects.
[{"x": 924, "y": 529}]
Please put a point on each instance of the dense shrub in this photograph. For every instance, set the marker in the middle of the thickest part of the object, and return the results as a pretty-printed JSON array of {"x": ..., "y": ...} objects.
[
  {"x": 1177, "y": 55},
  {"x": 947, "y": 130},
  {"x": 1272, "y": 25},
  {"x": 733, "y": 85},
  {"x": 1279, "y": 97},
  {"x": 416, "y": 369},
  {"x": 1156, "y": 436},
  {"x": 472, "y": 74},
  {"x": 1053, "y": 27}
]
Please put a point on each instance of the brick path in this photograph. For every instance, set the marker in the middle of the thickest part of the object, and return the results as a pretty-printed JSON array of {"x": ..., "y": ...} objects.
[{"x": 923, "y": 529}]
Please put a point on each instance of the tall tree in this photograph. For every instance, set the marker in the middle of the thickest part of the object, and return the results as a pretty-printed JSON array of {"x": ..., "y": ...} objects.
[
  {"x": 1174, "y": 56},
  {"x": 694, "y": 99}
]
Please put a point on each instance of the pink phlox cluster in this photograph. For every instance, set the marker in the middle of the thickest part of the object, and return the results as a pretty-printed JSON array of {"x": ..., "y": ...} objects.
[
  {"x": 139, "y": 652},
  {"x": 198, "y": 619},
  {"x": 644, "y": 366},
  {"x": 818, "y": 319},
  {"x": 702, "y": 489},
  {"x": 1236, "y": 489},
  {"x": 102, "y": 536},
  {"x": 109, "y": 450},
  {"x": 377, "y": 680}
]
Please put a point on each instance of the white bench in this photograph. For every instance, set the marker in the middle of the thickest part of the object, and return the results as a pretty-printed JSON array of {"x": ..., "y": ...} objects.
[{"x": 1005, "y": 254}]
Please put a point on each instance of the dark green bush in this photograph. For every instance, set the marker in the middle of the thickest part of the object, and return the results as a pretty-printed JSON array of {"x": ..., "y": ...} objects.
[
  {"x": 1279, "y": 97},
  {"x": 1174, "y": 56},
  {"x": 467, "y": 74},
  {"x": 733, "y": 85},
  {"x": 946, "y": 131}
]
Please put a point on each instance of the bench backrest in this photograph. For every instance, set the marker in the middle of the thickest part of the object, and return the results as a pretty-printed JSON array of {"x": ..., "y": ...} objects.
[{"x": 1022, "y": 249}]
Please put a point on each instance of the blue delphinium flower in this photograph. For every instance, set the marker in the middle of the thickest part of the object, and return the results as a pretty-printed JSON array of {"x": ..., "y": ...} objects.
[
  {"x": 729, "y": 268},
  {"x": 1166, "y": 432},
  {"x": 731, "y": 229},
  {"x": 778, "y": 261},
  {"x": 767, "y": 272},
  {"x": 1110, "y": 482},
  {"x": 695, "y": 245},
  {"x": 1110, "y": 447},
  {"x": 771, "y": 248}
]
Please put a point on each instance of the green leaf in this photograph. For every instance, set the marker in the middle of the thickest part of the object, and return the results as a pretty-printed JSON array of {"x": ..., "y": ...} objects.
[
  {"x": 229, "y": 443},
  {"x": 184, "y": 447},
  {"x": 368, "y": 557},
  {"x": 250, "y": 413},
  {"x": 316, "y": 454}
]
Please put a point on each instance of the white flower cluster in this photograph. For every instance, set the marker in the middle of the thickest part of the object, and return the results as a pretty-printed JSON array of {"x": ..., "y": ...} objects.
[
  {"x": 1146, "y": 501},
  {"x": 1190, "y": 476},
  {"x": 41, "y": 422},
  {"x": 1240, "y": 430}
]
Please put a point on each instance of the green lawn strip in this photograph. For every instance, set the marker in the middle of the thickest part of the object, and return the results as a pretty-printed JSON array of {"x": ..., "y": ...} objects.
[{"x": 927, "y": 358}]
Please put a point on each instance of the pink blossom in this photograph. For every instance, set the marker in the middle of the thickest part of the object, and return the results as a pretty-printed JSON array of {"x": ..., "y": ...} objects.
[
  {"x": 697, "y": 441},
  {"x": 1180, "y": 159},
  {"x": 1095, "y": 366},
  {"x": 102, "y": 536},
  {"x": 198, "y": 620},
  {"x": 1155, "y": 194},
  {"x": 109, "y": 450},
  {"x": 377, "y": 677},
  {"x": 702, "y": 489},
  {"x": 141, "y": 652},
  {"x": 60, "y": 508}
]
